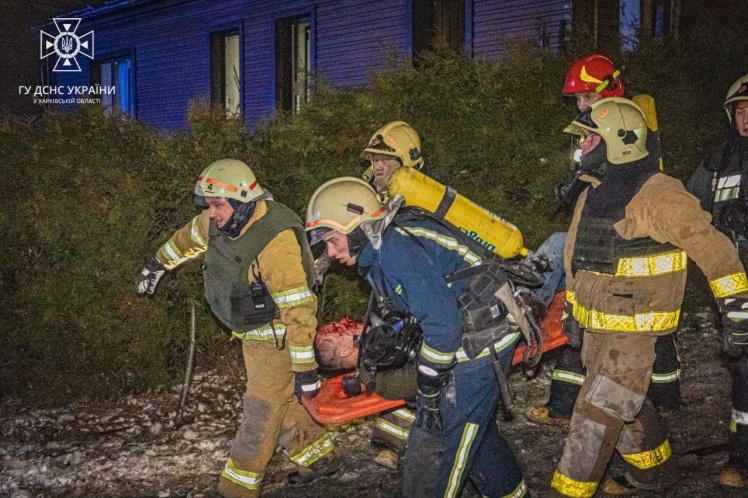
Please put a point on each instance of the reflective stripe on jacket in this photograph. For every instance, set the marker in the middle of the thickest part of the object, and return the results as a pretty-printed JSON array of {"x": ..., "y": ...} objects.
[
  {"x": 283, "y": 273},
  {"x": 645, "y": 293}
]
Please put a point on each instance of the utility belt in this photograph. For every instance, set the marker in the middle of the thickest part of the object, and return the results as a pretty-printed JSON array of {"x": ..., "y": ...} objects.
[
  {"x": 483, "y": 314},
  {"x": 489, "y": 309}
]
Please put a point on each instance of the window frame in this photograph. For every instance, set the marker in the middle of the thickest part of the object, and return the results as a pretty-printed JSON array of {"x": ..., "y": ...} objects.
[
  {"x": 217, "y": 45},
  {"x": 284, "y": 81},
  {"x": 429, "y": 18},
  {"x": 95, "y": 79}
]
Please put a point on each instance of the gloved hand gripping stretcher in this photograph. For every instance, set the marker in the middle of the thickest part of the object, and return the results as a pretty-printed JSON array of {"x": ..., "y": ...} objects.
[{"x": 337, "y": 349}]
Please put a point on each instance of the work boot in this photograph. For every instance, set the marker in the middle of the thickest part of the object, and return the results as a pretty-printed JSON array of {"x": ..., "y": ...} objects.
[
  {"x": 326, "y": 466},
  {"x": 544, "y": 415},
  {"x": 387, "y": 458},
  {"x": 618, "y": 486},
  {"x": 732, "y": 477}
]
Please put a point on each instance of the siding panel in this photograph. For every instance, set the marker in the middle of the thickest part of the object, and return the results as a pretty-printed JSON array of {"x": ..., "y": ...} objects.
[
  {"x": 351, "y": 39},
  {"x": 496, "y": 22}
]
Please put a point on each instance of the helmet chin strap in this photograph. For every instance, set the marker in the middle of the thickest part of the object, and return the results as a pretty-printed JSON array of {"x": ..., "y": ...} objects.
[
  {"x": 356, "y": 242},
  {"x": 595, "y": 162}
]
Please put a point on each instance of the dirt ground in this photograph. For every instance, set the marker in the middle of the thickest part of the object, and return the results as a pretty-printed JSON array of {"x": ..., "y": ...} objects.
[{"x": 135, "y": 449}]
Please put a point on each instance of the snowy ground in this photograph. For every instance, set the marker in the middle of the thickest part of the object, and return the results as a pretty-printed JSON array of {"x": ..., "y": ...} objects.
[{"x": 135, "y": 449}]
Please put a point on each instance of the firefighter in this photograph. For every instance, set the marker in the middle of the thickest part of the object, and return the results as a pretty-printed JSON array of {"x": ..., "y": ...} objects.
[
  {"x": 393, "y": 146},
  {"x": 625, "y": 262},
  {"x": 719, "y": 183},
  {"x": 590, "y": 79},
  {"x": 258, "y": 270},
  {"x": 454, "y": 435},
  {"x": 397, "y": 145}
]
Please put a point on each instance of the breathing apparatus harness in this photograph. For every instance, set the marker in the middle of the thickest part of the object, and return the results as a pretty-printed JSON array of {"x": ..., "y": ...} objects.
[{"x": 391, "y": 337}]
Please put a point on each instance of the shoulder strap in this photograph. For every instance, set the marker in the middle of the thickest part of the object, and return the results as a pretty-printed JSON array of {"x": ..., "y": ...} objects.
[{"x": 412, "y": 213}]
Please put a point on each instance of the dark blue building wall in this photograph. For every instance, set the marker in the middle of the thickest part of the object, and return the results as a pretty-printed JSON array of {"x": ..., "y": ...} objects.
[
  {"x": 357, "y": 37},
  {"x": 170, "y": 43},
  {"x": 495, "y": 22}
]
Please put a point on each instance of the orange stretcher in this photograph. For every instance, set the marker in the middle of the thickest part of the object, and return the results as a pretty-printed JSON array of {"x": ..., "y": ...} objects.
[{"x": 332, "y": 406}]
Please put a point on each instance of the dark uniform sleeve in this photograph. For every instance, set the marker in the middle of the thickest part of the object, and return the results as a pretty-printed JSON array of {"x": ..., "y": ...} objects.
[
  {"x": 700, "y": 185},
  {"x": 418, "y": 283}
]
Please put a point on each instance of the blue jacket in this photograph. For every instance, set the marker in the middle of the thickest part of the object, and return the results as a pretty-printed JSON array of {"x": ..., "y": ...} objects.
[{"x": 410, "y": 268}]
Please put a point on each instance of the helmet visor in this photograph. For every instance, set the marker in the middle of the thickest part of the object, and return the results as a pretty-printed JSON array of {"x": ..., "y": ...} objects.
[
  {"x": 200, "y": 196},
  {"x": 317, "y": 235},
  {"x": 582, "y": 124},
  {"x": 377, "y": 145}
]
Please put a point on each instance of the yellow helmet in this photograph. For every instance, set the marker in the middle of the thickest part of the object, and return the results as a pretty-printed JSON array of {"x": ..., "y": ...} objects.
[
  {"x": 738, "y": 91},
  {"x": 620, "y": 123},
  {"x": 342, "y": 204},
  {"x": 228, "y": 178},
  {"x": 397, "y": 139}
]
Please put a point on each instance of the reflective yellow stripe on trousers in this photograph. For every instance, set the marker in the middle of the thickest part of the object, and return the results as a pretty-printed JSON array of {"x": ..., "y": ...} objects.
[
  {"x": 650, "y": 459},
  {"x": 569, "y": 487},
  {"x": 243, "y": 478},
  {"x": 654, "y": 321}
]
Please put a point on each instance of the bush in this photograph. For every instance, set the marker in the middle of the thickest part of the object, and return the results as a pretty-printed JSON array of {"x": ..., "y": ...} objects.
[{"x": 93, "y": 196}]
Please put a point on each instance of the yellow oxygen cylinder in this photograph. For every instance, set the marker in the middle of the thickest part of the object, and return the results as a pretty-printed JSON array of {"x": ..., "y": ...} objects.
[
  {"x": 647, "y": 104},
  {"x": 488, "y": 229}
]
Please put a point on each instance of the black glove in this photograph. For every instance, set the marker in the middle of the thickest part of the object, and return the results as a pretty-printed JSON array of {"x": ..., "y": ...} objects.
[
  {"x": 734, "y": 325},
  {"x": 148, "y": 278},
  {"x": 430, "y": 383},
  {"x": 570, "y": 327},
  {"x": 307, "y": 383},
  {"x": 566, "y": 194}
]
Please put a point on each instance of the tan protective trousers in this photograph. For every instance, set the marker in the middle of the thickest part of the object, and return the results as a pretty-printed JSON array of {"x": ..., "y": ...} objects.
[
  {"x": 272, "y": 416},
  {"x": 613, "y": 413}
]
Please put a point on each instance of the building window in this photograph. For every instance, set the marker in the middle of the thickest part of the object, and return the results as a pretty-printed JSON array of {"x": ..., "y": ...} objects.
[
  {"x": 116, "y": 73},
  {"x": 630, "y": 21},
  {"x": 225, "y": 71},
  {"x": 438, "y": 23},
  {"x": 292, "y": 63},
  {"x": 661, "y": 19}
]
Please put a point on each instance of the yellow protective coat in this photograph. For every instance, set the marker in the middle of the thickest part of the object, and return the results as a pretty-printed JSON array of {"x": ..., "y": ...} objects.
[
  {"x": 282, "y": 272},
  {"x": 622, "y": 315},
  {"x": 663, "y": 210},
  {"x": 271, "y": 411}
]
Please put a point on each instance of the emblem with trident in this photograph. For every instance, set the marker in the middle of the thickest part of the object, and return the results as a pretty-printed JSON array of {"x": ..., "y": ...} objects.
[{"x": 67, "y": 44}]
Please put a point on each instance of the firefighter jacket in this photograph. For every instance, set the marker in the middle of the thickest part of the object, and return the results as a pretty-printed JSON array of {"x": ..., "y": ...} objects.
[
  {"x": 719, "y": 183},
  {"x": 646, "y": 223},
  {"x": 410, "y": 267},
  {"x": 281, "y": 266}
]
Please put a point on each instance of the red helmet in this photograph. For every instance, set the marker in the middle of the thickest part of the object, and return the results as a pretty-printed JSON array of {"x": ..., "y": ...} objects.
[{"x": 594, "y": 73}]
